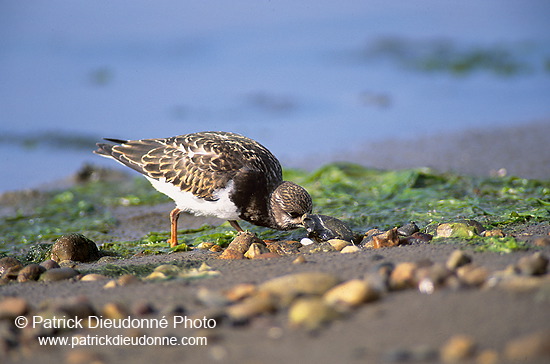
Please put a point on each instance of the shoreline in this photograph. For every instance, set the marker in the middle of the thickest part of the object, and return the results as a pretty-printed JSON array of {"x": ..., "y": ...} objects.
[{"x": 516, "y": 150}]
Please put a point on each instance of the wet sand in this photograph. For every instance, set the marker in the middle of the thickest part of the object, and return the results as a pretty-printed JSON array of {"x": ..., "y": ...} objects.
[{"x": 405, "y": 321}]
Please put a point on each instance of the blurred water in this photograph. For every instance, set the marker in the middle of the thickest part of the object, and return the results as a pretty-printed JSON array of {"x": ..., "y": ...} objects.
[{"x": 303, "y": 78}]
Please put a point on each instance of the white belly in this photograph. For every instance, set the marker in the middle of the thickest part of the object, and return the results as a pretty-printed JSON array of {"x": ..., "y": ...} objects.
[{"x": 223, "y": 208}]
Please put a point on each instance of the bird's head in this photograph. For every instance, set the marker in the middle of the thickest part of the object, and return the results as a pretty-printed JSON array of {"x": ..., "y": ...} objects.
[{"x": 289, "y": 204}]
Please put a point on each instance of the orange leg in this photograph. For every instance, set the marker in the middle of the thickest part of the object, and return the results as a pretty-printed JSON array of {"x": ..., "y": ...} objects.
[
  {"x": 174, "y": 214},
  {"x": 235, "y": 225}
]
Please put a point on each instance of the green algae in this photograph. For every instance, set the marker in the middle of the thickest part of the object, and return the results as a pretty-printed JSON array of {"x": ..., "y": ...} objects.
[{"x": 362, "y": 197}]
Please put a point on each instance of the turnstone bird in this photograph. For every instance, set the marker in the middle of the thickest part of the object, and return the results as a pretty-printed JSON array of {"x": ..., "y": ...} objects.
[{"x": 220, "y": 174}]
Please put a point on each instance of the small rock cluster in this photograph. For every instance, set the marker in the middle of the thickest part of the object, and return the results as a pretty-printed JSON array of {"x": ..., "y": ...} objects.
[
  {"x": 308, "y": 300},
  {"x": 66, "y": 251}
]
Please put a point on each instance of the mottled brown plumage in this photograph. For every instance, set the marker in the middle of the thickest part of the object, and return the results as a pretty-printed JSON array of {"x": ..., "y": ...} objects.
[{"x": 239, "y": 176}]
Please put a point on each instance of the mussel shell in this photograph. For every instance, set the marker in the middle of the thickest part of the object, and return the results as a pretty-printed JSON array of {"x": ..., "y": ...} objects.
[{"x": 323, "y": 228}]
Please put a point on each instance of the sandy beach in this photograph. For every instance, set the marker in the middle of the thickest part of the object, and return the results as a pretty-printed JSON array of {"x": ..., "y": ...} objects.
[{"x": 497, "y": 322}]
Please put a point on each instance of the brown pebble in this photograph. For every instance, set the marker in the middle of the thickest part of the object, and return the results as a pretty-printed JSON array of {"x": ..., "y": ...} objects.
[
  {"x": 75, "y": 247},
  {"x": 533, "y": 265},
  {"x": 216, "y": 248},
  {"x": 287, "y": 287},
  {"x": 255, "y": 250},
  {"x": 239, "y": 246},
  {"x": 457, "y": 348},
  {"x": 91, "y": 277},
  {"x": 58, "y": 274},
  {"x": 261, "y": 302},
  {"x": 300, "y": 259},
  {"x": 127, "y": 279},
  {"x": 310, "y": 313},
  {"x": 30, "y": 272},
  {"x": 351, "y": 293},
  {"x": 115, "y": 310},
  {"x": 529, "y": 347},
  {"x": 403, "y": 276},
  {"x": 49, "y": 264},
  {"x": 457, "y": 259},
  {"x": 388, "y": 239},
  {"x": 473, "y": 275},
  {"x": 11, "y": 307},
  {"x": 9, "y": 264},
  {"x": 522, "y": 283},
  {"x": 240, "y": 291}
]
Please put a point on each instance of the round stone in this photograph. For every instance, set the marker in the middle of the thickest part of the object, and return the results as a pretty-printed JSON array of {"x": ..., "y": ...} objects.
[{"x": 74, "y": 247}]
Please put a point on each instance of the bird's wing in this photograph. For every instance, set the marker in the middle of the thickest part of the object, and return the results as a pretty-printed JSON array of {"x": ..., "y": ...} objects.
[{"x": 199, "y": 163}]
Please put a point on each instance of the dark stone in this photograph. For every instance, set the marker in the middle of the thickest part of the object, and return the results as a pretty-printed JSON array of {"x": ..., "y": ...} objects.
[
  {"x": 323, "y": 228},
  {"x": 30, "y": 272},
  {"x": 9, "y": 265},
  {"x": 75, "y": 247}
]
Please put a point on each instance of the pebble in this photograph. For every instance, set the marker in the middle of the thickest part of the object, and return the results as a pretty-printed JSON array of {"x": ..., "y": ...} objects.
[
  {"x": 49, "y": 264},
  {"x": 306, "y": 241},
  {"x": 205, "y": 245},
  {"x": 91, "y": 277},
  {"x": 127, "y": 279},
  {"x": 522, "y": 283},
  {"x": 351, "y": 293},
  {"x": 115, "y": 310},
  {"x": 240, "y": 245},
  {"x": 533, "y": 265},
  {"x": 58, "y": 274},
  {"x": 350, "y": 249},
  {"x": 456, "y": 230},
  {"x": 338, "y": 244},
  {"x": 11, "y": 307},
  {"x": 300, "y": 259},
  {"x": 9, "y": 264},
  {"x": 408, "y": 229},
  {"x": 211, "y": 298},
  {"x": 284, "y": 247},
  {"x": 75, "y": 247},
  {"x": 255, "y": 250},
  {"x": 30, "y": 272},
  {"x": 240, "y": 291},
  {"x": 457, "y": 259},
  {"x": 473, "y": 275},
  {"x": 286, "y": 288},
  {"x": 261, "y": 302},
  {"x": 529, "y": 347},
  {"x": 323, "y": 228},
  {"x": 496, "y": 233},
  {"x": 388, "y": 239},
  {"x": 431, "y": 277},
  {"x": 403, "y": 276},
  {"x": 488, "y": 356},
  {"x": 310, "y": 313},
  {"x": 457, "y": 348}
]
